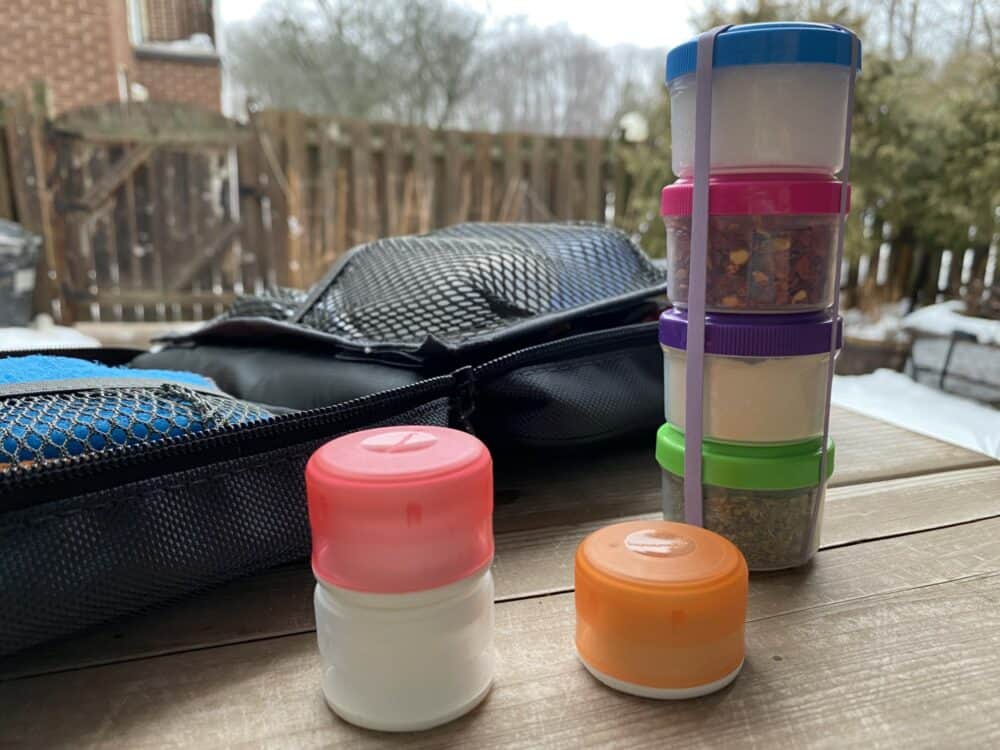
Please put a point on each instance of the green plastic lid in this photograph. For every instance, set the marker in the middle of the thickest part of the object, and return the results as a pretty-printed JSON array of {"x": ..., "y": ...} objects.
[{"x": 747, "y": 467}]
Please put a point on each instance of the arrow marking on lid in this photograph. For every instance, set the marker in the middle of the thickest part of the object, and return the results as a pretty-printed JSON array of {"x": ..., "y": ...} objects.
[{"x": 400, "y": 441}]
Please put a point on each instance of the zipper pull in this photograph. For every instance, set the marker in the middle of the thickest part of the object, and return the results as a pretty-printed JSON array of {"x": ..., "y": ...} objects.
[{"x": 463, "y": 399}]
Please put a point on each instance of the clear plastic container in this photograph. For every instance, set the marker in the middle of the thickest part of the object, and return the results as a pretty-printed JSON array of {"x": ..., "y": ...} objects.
[
  {"x": 774, "y": 529},
  {"x": 402, "y": 533},
  {"x": 751, "y": 399},
  {"x": 767, "y": 500},
  {"x": 765, "y": 118},
  {"x": 772, "y": 243},
  {"x": 779, "y": 99},
  {"x": 765, "y": 381}
]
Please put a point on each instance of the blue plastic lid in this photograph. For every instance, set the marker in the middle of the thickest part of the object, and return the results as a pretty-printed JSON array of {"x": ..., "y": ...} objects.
[{"x": 765, "y": 43}]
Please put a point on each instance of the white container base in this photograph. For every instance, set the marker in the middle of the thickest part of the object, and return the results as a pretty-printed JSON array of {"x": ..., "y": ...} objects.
[
  {"x": 383, "y": 724},
  {"x": 661, "y": 694},
  {"x": 406, "y": 662}
]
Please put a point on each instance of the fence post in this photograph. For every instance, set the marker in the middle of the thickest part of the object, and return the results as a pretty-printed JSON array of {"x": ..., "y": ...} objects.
[
  {"x": 593, "y": 180},
  {"x": 295, "y": 174},
  {"x": 268, "y": 133}
]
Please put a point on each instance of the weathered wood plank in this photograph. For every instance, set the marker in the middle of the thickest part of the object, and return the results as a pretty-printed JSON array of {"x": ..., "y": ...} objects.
[
  {"x": 565, "y": 179},
  {"x": 156, "y": 297},
  {"x": 904, "y": 653},
  {"x": 423, "y": 184},
  {"x": 534, "y": 556},
  {"x": 329, "y": 163},
  {"x": 216, "y": 245},
  {"x": 295, "y": 176},
  {"x": 6, "y": 189},
  {"x": 593, "y": 180},
  {"x": 454, "y": 156},
  {"x": 482, "y": 177},
  {"x": 539, "y": 190},
  {"x": 269, "y": 138},
  {"x": 392, "y": 180},
  {"x": 102, "y": 190},
  {"x": 513, "y": 191},
  {"x": 362, "y": 184},
  {"x": 256, "y": 250}
]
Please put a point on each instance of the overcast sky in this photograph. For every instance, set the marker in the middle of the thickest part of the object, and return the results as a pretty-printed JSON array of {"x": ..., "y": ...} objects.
[{"x": 646, "y": 23}]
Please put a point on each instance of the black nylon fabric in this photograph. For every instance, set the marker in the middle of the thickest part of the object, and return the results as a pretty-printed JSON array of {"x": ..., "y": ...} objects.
[
  {"x": 95, "y": 556},
  {"x": 529, "y": 335}
]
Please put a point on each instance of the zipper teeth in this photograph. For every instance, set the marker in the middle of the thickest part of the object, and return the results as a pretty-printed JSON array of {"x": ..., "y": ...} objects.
[
  {"x": 62, "y": 469},
  {"x": 581, "y": 341},
  {"x": 129, "y": 455}
]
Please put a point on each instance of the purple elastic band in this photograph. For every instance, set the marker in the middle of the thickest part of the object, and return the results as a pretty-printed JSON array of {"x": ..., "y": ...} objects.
[
  {"x": 696, "y": 283},
  {"x": 845, "y": 174}
]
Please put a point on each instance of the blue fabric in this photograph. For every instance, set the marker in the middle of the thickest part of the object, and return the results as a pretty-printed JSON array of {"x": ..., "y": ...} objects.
[
  {"x": 766, "y": 43},
  {"x": 37, "y": 427},
  {"x": 37, "y": 367}
]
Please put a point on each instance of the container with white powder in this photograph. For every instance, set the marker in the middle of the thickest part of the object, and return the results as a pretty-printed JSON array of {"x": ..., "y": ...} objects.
[
  {"x": 779, "y": 99},
  {"x": 765, "y": 376}
]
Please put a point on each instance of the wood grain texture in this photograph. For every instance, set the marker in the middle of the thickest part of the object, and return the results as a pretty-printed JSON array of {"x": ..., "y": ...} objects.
[
  {"x": 530, "y": 561},
  {"x": 891, "y": 643}
]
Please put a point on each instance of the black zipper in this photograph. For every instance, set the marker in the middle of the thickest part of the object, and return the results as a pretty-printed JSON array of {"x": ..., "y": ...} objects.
[
  {"x": 568, "y": 348},
  {"x": 24, "y": 486}
]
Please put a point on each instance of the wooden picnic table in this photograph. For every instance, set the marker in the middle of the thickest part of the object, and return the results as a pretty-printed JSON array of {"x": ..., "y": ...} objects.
[{"x": 890, "y": 638}]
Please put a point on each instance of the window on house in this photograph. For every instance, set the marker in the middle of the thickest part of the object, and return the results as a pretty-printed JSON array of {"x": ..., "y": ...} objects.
[{"x": 184, "y": 27}]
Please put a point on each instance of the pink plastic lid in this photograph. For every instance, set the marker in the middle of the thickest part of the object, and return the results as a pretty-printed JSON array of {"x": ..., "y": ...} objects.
[
  {"x": 400, "y": 509},
  {"x": 765, "y": 193}
]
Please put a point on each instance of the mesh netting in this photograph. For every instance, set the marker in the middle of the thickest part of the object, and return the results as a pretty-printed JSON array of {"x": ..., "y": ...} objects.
[
  {"x": 277, "y": 304},
  {"x": 471, "y": 280},
  {"x": 58, "y": 425}
]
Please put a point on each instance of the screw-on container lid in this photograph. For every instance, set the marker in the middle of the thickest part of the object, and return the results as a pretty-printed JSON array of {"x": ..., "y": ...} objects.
[
  {"x": 400, "y": 509},
  {"x": 788, "y": 466},
  {"x": 795, "y": 334},
  {"x": 660, "y": 605},
  {"x": 764, "y": 194},
  {"x": 768, "y": 43}
]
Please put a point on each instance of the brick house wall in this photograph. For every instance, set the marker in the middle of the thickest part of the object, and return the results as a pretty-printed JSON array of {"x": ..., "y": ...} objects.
[
  {"x": 68, "y": 44},
  {"x": 78, "y": 48},
  {"x": 193, "y": 81}
]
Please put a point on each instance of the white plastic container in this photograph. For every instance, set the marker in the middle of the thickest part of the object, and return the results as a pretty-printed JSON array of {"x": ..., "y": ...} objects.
[
  {"x": 404, "y": 662},
  {"x": 779, "y": 99},
  {"x": 402, "y": 533},
  {"x": 764, "y": 376}
]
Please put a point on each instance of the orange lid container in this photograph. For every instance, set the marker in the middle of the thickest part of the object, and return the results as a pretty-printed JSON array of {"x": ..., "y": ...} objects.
[{"x": 660, "y": 608}]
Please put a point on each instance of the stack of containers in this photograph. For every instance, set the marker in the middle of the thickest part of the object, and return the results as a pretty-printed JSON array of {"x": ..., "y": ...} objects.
[{"x": 779, "y": 119}]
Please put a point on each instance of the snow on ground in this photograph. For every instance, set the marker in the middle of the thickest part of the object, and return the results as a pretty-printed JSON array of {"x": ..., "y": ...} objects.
[
  {"x": 44, "y": 334},
  {"x": 894, "y": 398},
  {"x": 885, "y": 325},
  {"x": 944, "y": 318}
]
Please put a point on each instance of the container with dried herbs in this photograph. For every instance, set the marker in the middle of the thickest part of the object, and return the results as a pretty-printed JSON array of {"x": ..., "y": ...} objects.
[
  {"x": 767, "y": 500},
  {"x": 772, "y": 242}
]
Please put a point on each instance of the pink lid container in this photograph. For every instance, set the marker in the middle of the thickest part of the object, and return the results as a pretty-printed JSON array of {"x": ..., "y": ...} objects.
[
  {"x": 765, "y": 194},
  {"x": 400, "y": 509}
]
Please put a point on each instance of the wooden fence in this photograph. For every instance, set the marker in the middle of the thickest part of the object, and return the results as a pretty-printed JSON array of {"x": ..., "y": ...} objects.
[
  {"x": 347, "y": 182},
  {"x": 156, "y": 212}
]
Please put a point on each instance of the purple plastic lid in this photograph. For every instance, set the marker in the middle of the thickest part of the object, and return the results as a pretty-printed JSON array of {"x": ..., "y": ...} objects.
[{"x": 755, "y": 335}]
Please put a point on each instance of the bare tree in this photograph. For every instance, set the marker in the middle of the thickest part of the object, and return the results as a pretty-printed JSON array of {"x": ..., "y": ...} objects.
[{"x": 411, "y": 62}]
